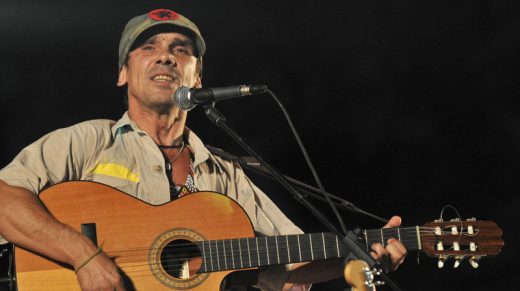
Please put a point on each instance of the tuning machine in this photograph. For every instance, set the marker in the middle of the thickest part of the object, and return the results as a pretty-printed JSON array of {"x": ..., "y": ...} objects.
[
  {"x": 458, "y": 259},
  {"x": 473, "y": 261},
  {"x": 442, "y": 259},
  {"x": 370, "y": 275}
]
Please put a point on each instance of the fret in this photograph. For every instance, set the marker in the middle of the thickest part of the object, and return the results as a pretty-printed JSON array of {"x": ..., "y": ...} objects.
[
  {"x": 323, "y": 242},
  {"x": 318, "y": 249},
  {"x": 249, "y": 253},
  {"x": 204, "y": 257},
  {"x": 257, "y": 252},
  {"x": 306, "y": 251},
  {"x": 229, "y": 255},
  {"x": 299, "y": 248},
  {"x": 217, "y": 252},
  {"x": 277, "y": 250},
  {"x": 382, "y": 237},
  {"x": 225, "y": 256},
  {"x": 267, "y": 251},
  {"x": 337, "y": 245},
  {"x": 211, "y": 255},
  {"x": 262, "y": 252},
  {"x": 232, "y": 255},
  {"x": 240, "y": 252},
  {"x": 283, "y": 250},
  {"x": 366, "y": 240},
  {"x": 288, "y": 250},
  {"x": 312, "y": 250},
  {"x": 418, "y": 237}
]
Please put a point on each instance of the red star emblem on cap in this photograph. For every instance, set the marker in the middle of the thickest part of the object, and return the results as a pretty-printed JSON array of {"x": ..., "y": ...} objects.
[{"x": 163, "y": 14}]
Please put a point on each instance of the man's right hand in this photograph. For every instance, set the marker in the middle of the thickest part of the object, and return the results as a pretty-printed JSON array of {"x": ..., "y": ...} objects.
[
  {"x": 101, "y": 273},
  {"x": 26, "y": 223}
]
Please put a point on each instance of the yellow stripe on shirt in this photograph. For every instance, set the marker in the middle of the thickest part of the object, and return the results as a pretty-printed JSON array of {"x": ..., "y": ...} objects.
[{"x": 115, "y": 170}]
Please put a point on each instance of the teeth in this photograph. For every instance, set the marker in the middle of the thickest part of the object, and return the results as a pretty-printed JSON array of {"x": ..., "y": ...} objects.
[{"x": 163, "y": 78}]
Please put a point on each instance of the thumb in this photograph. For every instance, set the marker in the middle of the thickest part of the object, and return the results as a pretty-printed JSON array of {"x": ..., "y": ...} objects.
[{"x": 395, "y": 221}]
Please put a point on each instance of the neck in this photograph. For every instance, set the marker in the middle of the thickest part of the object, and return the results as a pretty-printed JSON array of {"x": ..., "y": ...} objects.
[{"x": 165, "y": 127}]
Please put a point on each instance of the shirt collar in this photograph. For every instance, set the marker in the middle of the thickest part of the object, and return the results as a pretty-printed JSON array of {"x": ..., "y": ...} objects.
[
  {"x": 125, "y": 123},
  {"x": 200, "y": 152}
]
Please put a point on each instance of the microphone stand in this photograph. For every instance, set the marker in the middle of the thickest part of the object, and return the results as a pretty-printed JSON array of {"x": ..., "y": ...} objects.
[{"x": 348, "y": 239}]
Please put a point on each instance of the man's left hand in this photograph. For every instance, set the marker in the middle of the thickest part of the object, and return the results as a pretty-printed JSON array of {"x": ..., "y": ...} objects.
[{"x": 394, "y": 249}]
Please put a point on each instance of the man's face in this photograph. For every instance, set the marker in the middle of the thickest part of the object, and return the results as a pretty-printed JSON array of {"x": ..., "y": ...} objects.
[{"x": 157, "y": 68}]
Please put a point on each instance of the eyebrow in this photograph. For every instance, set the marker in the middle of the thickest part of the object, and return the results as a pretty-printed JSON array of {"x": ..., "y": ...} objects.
[{"x": 175, "y": 42}]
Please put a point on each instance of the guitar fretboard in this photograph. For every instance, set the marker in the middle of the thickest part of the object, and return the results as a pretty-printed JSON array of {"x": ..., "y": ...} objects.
[
  {"x": 409, "y": 236},
  {"x": 240, "y": 253}
]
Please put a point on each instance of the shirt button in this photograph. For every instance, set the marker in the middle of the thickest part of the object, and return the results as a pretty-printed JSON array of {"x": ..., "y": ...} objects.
[{"x": 157, "y": 168}]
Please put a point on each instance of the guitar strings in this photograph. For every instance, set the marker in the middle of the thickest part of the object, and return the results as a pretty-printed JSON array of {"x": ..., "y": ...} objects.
[
  {"x": 405, "y": 237},
  {"x": 183, "y": 257},
  {"x": 423, "y": 231}
]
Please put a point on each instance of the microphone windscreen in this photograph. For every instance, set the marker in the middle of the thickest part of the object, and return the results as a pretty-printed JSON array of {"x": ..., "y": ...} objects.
[{"x": 181, "y": 98}]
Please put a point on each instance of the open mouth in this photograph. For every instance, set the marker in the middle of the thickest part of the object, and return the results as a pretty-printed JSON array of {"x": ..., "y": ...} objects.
[{"x": 163, "y": 78}]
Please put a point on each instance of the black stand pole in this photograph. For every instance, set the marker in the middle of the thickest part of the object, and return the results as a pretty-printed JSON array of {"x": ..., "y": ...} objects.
[{"x": 348, "y": 239}]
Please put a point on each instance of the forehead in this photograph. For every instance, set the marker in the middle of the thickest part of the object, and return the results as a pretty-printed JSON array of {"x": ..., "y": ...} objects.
[{"x": 170, "y": 37}]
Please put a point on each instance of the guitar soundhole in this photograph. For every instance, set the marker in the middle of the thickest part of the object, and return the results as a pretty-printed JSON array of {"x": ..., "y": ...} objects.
[{"x": 181, "y": 259}]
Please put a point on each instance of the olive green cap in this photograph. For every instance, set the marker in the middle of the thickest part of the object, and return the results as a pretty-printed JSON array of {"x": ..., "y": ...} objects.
[{"x": 163, "y": 20}]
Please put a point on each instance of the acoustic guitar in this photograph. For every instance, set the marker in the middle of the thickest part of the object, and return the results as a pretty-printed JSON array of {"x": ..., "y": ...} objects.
[{"x": 192, "y": 243}]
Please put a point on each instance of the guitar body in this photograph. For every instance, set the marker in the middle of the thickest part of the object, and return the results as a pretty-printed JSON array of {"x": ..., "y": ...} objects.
[{"x": 134, "y": 233}]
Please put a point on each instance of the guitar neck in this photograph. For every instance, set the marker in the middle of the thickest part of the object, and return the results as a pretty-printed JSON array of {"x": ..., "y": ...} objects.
[{"x": 231, "y": 254}]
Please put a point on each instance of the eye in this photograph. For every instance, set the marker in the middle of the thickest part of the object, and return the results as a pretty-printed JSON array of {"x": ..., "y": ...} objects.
[
  {"x": 147, "y": 47},
  {"x": 181, "y": 50}
]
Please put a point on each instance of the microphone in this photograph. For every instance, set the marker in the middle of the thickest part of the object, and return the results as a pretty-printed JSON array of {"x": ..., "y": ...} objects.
[{"x": 186, "y": 98}]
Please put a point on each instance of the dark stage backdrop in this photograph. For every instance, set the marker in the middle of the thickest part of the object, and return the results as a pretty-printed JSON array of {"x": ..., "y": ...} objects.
[{"x": 404, "y": 106}]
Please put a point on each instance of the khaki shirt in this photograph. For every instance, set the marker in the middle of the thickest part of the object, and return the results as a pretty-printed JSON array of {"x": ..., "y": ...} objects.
[{"x": 123, "y": 156}]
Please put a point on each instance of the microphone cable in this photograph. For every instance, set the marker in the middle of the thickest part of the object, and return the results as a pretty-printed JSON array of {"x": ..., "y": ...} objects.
[{"x": 309, "y": 162}]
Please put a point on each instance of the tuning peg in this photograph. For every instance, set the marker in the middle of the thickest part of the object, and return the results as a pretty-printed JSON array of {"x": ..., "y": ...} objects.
[
  {"x": 473, "y": 261},
  {"x": 457, "y": 262},
  {"x": 441, "y": 261},
  {"x": 379, "y": 283},
  {"x": 456, "y": 246},
  {"x": 471, "y": 231},
  {"x": 454, "y": 230}
]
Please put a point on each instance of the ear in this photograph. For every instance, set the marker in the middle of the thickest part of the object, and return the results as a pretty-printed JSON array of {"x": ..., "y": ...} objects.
[
  {"x": 121, "y": 81},
  {"x": 198, "y": 82}
]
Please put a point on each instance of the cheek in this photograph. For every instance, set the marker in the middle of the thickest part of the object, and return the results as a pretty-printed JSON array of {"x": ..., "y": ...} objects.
[
  {"x": 136, "y": 78},
  {"x": 189, "y": 74}
]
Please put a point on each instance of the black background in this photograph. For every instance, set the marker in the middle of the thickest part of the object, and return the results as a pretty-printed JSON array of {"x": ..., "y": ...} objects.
[{"x": 404, "y": 106}]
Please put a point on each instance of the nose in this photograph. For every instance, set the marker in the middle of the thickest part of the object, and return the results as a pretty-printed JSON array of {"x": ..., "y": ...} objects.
[{"x": 166, "y": 58}]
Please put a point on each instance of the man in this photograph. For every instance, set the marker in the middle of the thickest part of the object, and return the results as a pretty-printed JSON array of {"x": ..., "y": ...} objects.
[{"x": 148, "y": 153}]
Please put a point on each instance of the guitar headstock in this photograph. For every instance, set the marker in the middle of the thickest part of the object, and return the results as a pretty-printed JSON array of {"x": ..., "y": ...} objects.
[
  {"x": 360, "y": 277},
  {"x": 472, "y": 239}
]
